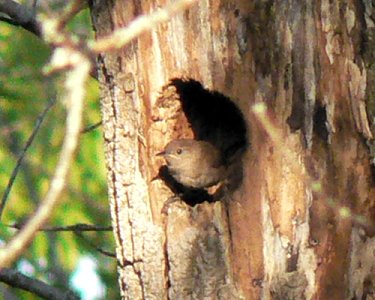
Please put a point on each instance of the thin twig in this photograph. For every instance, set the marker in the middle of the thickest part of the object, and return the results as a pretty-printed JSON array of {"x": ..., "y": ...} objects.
[
  {"x": 75, "y": 227},
  {"x": 21, "y": 15},
  {"x": 72, "y": 9},
  {"x": 122, "y": 36},
  {"x": 29, "y": 142},
  {"x": 100, "y": 250},
  {"x": 91, "y": 127},
  {"x": 75, "y": 92}
]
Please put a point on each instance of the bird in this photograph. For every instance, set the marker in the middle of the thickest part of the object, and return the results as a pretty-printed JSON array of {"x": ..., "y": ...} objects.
[{"x": 194, "y": 164}]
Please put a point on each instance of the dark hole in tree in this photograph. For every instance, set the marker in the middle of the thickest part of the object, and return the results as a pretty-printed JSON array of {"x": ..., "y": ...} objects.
[
  {"x": 214, "y": 118},
  {"x": 320, "y": 123}
]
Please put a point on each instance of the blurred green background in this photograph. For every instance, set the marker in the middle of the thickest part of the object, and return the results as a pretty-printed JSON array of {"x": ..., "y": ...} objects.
[{"x": 53, "y": 257}]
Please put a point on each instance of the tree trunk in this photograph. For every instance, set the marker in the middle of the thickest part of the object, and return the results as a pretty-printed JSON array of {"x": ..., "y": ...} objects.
[{"x": 300, "y": 226}]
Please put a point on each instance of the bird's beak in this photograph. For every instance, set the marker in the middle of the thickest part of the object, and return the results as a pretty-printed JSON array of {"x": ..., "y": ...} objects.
[{"x": 162, "y": 153}]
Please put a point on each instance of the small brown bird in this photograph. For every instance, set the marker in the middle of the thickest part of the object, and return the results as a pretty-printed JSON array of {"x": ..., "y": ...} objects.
[{"x": 195, "y": 164}]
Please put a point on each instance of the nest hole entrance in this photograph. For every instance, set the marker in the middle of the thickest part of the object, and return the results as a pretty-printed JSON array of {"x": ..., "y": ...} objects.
[{"x": 216, "y": 119}]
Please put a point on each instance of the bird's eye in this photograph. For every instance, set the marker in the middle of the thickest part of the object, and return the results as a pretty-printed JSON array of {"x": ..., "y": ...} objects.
[{"x": 179, "y": 151}]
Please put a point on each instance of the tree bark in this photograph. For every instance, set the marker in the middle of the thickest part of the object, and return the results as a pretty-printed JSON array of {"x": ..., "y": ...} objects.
[{"x": 301, "y": 224}]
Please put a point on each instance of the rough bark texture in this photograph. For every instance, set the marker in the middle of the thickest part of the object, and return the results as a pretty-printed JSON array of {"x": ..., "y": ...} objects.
[{"x": 301, "y": 224}]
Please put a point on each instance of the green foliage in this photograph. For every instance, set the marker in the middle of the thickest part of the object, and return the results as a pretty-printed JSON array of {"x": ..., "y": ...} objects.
[{"x": 24, "y": 94}]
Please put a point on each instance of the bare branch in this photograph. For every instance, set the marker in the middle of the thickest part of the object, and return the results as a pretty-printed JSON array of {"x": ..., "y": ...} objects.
[
  {"x": 20, "y": 15},
  {"x": 122, "y": 36},
  {"x": 75, "y": 92},
  {"x": 75, "y": 227},
  {"x": 37, "y": 287},
  {"x": 30, "y": 140},
  {"x": 92, "y": 245},
  {"x": 8, "y": 20}
]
